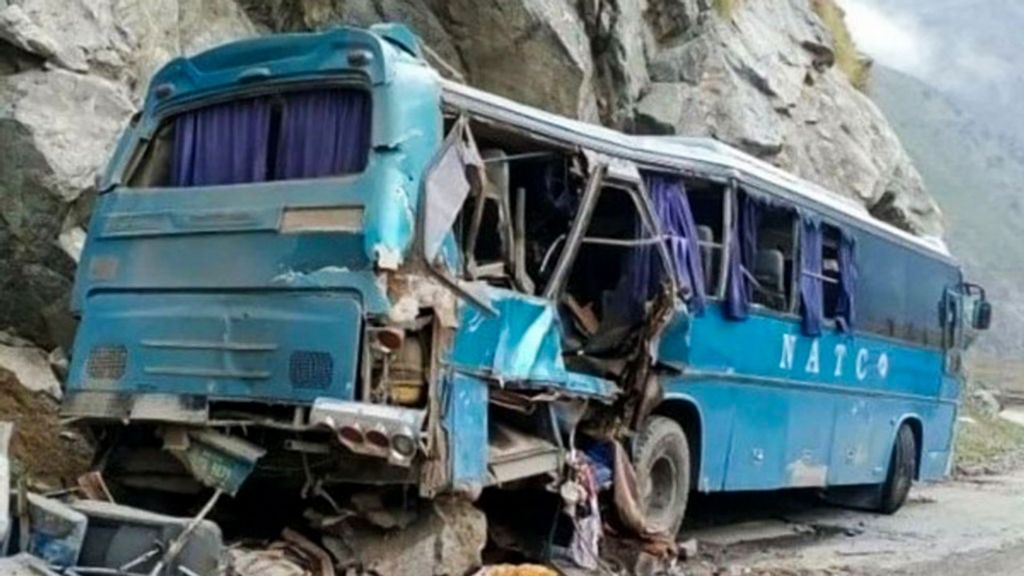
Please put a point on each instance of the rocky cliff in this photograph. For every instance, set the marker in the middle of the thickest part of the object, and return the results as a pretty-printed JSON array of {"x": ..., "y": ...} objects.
[{"x": 753, "y": 73}]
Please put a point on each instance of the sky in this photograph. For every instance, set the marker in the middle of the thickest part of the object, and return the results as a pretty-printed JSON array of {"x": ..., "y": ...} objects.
[
  {"x": 901, "y": 37},
  {"x": 894, "y": 39},
  {"x": 965, "y": 48}
]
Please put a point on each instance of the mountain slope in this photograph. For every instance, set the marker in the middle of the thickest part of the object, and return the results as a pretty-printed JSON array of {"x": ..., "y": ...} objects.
[
  {"x": 976, "y": 176},
  {"x": 968, "y": 49}
]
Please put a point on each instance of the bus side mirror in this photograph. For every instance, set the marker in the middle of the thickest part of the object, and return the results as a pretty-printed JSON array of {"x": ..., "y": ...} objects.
[{"x": 982, "y": 315}]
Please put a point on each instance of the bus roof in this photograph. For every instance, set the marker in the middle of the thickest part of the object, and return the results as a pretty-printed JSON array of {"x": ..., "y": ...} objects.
[{"x": 684, "y": 153}]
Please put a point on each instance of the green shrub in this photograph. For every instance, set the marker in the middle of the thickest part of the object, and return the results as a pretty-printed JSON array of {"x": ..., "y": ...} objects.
[
  {"x": 725, "y": 8},
  {"x": 848, "y": 58}
]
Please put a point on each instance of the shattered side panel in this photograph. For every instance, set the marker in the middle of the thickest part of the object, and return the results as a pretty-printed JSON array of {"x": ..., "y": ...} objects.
[
  {"x": 520, "y": 344},
  {"x": 408, "y": 115}
]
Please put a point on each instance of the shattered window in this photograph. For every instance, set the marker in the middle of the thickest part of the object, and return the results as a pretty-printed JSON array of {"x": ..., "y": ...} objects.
[{"x": 602, "y": 301}]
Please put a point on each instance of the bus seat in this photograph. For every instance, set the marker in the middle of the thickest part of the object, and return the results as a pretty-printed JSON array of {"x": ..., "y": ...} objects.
[
  {"x": 770, "y": 273},
  {"x": 706, "y": 239}
]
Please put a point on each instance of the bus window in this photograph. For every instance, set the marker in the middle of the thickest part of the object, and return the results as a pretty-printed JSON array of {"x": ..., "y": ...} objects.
[
  {"x": 287, "y": 136},
  {"x": 608, "y": 289},
  {"x": 838, "y": 276},
  {"x": 707, "y": 201},
  {"x": 830, "y": 270},
  {"x": 515, "y": 227},
  {"x": 773, "y": 270}
]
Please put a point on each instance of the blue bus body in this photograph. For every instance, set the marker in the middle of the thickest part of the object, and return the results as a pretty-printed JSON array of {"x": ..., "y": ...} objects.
[
  {"x": 825, "y": 415},
  {"x": 267, "y": 304},
  {"x": 174, "y": 272}
]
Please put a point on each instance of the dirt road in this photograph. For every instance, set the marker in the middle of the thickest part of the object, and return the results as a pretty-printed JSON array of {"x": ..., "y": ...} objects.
[{"x": 969, "y": 526}]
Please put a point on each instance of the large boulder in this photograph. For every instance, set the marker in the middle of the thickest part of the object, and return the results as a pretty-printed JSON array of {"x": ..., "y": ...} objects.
[
  {"x": 763, "y": 80},
  {"x": 56, "y": 128},
  {"x": 535, "y": 51},
  {"x": 29, "y": 365},
  {"x": 445, "y": 538},
  {"x": 71, "y": 74},
  {"x": 619, "y": 40},
  {"x": 122, "y": 40},
  {"x": 299, "y": 15}
]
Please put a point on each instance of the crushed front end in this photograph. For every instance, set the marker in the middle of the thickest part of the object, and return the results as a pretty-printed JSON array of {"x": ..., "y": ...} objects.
[{"x": 246, "y": 273}]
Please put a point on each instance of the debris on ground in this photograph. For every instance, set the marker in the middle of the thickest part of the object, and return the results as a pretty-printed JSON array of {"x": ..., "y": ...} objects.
[
  {"x": 292, "y": 555},
  {"x": 30, "y": 365},
  {"x": 986, "y": 402},
  {"x": 25, "y": 565},
  {"x": 267, "y": 560},
  {"x": 56, "y": 531},
  {"x": 49, "y": 455},
  {"x": 688, "y": 549},
  {"x": 986, "y": 443},
  {"x": 118, "y": 535},
  {"x": 447, "y": 537}
]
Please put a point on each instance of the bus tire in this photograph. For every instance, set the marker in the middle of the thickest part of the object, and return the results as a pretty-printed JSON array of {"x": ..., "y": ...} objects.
[
  {"x": 902, "y": 468},
  {"x": 661, "y": 456}
]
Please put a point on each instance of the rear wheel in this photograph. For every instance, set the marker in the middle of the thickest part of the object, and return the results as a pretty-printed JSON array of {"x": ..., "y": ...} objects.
[
  {"x": 661, "y": 456},
  {"x": 902, "y": 469}
]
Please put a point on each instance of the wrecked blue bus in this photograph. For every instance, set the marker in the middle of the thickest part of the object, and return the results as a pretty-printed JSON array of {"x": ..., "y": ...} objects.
[{"x": 316, "y": 248}]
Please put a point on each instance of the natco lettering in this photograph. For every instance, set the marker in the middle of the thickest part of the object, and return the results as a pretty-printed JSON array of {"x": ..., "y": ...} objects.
[{"x": 843, "y": 359}]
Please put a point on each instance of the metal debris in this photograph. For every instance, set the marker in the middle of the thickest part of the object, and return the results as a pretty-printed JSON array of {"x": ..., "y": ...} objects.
[
  {"x": 56, "y": 531},
  {"x": 126, "y": 538},
  {"x": 25, "y": 565},
  {"x": 177, "y": 546},
  {"x": 293, "y": 555},
  {"x": 94, "y": 487},
  {"x": 217, "y": 460}
]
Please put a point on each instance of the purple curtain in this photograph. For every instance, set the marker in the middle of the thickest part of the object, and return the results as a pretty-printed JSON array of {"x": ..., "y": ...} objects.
[
  {"x": 810, "y": 276},
  {"x": 323, "y": 133},
  {"x": 222, "y": 144},
  {"x": 742, "y": 254},
  {"x": 672, "y": 209},
  {"x": 845, "y": 310}
]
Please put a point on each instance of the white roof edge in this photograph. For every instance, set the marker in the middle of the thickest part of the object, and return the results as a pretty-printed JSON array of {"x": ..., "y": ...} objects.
[{"x": 706, "y": 150}]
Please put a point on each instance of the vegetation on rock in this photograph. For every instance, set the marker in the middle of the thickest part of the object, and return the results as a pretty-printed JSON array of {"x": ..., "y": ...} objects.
[
  {"x": 725, "y": 8},
  {"x": 848, "y": 59}
]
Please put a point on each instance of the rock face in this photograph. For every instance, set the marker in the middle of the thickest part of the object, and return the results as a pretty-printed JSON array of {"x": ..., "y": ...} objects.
[
  {"x": 71, "y": 74},
  {"x": 761, "y": 78}
]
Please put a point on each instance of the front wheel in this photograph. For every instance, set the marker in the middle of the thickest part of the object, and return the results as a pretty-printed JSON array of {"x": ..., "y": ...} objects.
[
  {"x": 902, "y": 468},
  {"x": 661, "y": 456}
]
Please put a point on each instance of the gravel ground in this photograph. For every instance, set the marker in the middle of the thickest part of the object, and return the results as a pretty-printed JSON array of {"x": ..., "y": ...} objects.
[{"x": 964, "y": 526}]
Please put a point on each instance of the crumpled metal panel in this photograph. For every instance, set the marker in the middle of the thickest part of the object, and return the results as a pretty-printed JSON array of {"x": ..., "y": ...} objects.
[
  {"x": 466, "y": 422},
  {"x": 521, "y": 343}
]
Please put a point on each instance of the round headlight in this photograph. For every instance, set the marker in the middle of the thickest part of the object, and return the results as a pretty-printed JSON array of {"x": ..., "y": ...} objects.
[{"x": 403, "y": 445}]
